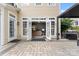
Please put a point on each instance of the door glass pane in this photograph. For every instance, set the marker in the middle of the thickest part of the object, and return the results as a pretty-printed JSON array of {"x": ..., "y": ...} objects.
[
  {"x": 48, "y": 29},
  {"x": 11, "y": 27},
  {"x": 52, "y": 27},
  {"x": 24, "y": 27}
]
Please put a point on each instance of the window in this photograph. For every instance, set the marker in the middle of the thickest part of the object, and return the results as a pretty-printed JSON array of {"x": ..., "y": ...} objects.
[
  {"x": 51, "y": 18},
  {"x": 11, "y": 4},
  {"x": 52, "y": 4},
  {"x": 76, "y": 22},
  {"x": 38, "y": 18},
  {"x": 24, "y": 4},
  {"x": 24, "y": 27},
  {"x": 11, "y": 24},
  {"x": 52, "y": 27},
  {"x": 25, "y": 18},
  {"x": 38, "y": 4}
]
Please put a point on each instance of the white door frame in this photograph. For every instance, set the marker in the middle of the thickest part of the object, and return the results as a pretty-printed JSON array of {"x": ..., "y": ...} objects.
[
  {"x": 15, "y": 27},
  {"x": 48, "y": 30},
  {"x": 29, "y": 26},
  {"x": 53, "y": 36},
  {"x": 2, "y": 26},
  {"x": 22, "y": 28},
  {"x": 38, "y": 21},
  {"x": 46, "y": 20}
]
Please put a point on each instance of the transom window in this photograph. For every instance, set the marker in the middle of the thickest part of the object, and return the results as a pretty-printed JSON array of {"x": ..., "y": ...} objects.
[
  {"x": 25, "y": 18},
  {"x": 38, "y": 18},
  {"x": 11, "y": 15},
  {"x": 51, "y": 18},
  {"x": 38, "y": 4}
]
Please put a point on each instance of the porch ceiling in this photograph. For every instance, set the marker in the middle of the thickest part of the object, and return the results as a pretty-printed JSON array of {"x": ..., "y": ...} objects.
[{"x": 72, "y": 12}]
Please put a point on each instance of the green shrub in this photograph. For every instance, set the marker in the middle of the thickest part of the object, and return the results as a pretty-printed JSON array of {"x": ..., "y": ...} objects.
[{"x": 66, "y": 23}]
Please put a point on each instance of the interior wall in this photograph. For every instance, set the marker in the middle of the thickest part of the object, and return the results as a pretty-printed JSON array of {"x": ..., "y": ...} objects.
[{"x": 38, "y": 28}]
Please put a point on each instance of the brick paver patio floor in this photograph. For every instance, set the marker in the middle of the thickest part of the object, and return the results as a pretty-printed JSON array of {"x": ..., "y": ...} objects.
[{"x": 43, "y": 48}]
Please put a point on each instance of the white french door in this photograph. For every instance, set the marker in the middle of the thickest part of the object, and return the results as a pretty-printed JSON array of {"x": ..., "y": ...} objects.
[
  {"x": 53, "y": 29},
  {"x": 24, "y": 28},
  {"x": 48, "y": 30},
  {"x": 50, "y": 27},
  {"x": 27, "y": 28},
  {"x": 12, "y": 28},
  {"x": 29, "y": 35}
]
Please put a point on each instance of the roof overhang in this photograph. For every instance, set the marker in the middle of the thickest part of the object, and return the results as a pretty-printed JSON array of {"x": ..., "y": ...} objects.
[{"x": 72, "y": 12}]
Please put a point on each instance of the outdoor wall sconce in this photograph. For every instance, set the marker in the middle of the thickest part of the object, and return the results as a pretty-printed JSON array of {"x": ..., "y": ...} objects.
[{"x": 18, "y": 23}]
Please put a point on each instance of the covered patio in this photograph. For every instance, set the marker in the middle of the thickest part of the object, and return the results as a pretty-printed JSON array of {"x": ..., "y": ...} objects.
[
  {"x": 42, "y": 48},
  {"x": 48, "y": 48},
  {"x": 72, "y": 12}
]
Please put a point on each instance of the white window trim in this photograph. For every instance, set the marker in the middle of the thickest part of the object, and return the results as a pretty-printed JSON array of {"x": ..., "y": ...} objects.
[
  {"x": 15, "y": 27},
  {"x": 47, "y": 19},
  {"x": 55, "y": 28},
  {"x": 53, "y": 4},
  {"x": 35, "y": 4},
  {"x": 22, "y": 27}
]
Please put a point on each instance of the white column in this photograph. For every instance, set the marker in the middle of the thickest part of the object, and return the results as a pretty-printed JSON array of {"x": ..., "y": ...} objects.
[
  {"x": 59, "y": 27},
  {"x": 2, "y": 26}
]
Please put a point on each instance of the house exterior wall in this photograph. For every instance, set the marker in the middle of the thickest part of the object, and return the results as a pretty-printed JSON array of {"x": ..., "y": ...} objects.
[
  {"x": 32, "y": 10},
  {"x": 44, "y": 10},
  {"x": 75, "y": 21},
  {"x": 5, "y": 10},
  {"x": 27, "y": 11}
]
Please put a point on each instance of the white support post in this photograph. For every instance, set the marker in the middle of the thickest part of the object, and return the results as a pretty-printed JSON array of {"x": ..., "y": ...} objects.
[
  {"x": 2, "y": 26},
  {"x": 59, "y": 27}
]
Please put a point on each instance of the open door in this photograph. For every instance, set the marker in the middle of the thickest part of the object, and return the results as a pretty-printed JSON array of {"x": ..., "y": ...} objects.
[{"x": 38, "y": 31}]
